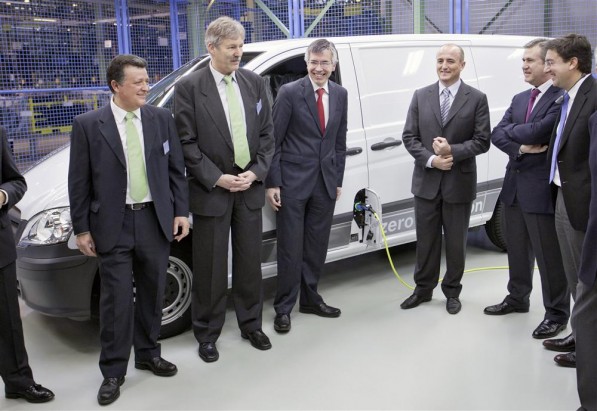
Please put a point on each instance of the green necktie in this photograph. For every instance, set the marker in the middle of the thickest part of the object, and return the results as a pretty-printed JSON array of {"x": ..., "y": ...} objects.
[
  {"x": 137, "y": 175},
  {"x": 242, "y": 155}
]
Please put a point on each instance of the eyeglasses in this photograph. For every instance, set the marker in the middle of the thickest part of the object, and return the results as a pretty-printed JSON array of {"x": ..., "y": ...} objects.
[
  {"x": 324, "y": 64},
  {"x": 549, "y": 63}
]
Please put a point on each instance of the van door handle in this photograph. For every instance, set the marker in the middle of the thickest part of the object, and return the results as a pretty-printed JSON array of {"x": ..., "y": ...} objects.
[
  {"x": 386, "y": 144},
  {"x": 353, "y": 151}
]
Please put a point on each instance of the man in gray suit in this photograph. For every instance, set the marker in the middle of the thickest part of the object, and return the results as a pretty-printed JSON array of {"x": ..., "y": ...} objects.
[
  {"x": 128, "y": 201},
  {"x": 225, "y": 126},
  {"x": 446, "y": 127},
  {"x": 305, "y": 180}
]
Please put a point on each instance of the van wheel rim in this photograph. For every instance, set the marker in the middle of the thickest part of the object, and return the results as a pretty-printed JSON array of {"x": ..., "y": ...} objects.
[{"x": 177, "y": 294}]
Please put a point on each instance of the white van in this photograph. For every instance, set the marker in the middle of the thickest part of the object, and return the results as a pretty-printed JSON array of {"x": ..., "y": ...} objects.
[{"x": 380, "y": 73}]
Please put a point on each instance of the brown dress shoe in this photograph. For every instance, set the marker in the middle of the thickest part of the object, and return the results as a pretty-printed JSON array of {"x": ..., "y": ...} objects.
[
  {"x": 566, "y": 344},
  {"x": 566, "y": 360}
]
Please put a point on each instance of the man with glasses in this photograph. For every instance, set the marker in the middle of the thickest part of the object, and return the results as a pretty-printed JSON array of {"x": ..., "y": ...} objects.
[
  {"x": 305, "y": 180},
  {"x": 523, "y": 135},
  {"x": 568, "y": 61}
]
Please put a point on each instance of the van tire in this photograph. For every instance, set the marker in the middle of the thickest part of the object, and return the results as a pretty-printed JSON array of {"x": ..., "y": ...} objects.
[
  {"x": 496, "y": 227},
  {"x": 176, "y": 313}
]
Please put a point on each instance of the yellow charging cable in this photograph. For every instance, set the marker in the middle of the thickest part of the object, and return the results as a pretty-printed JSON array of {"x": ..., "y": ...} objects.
[{"x": 407, "y": 285}]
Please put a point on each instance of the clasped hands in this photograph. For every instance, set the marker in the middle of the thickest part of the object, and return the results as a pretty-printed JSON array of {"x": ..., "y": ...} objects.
[
  {"x": 240, "y": 182},
  {"x": 443, "y": 159}
]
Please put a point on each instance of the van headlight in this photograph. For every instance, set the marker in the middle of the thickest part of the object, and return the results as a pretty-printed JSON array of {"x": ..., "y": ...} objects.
[{"x": 48, "y": 227}]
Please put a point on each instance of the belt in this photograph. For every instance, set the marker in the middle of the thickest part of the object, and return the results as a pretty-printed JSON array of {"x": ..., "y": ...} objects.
[{"x": 138, "y": 206}]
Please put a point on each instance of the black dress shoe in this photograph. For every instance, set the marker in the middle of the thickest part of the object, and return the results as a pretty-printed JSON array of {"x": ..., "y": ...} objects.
[
  {"x": 566, "y": 344},
  {"x": 503, "y": 309},
  {"x": 453, "y": 305},
  {"x": 109, "y": 390},
  {"x": 208, "y": 352},
  {"x": 413, "y": 301},
  {"x": 548, "y": 329},
  {"x": 158, "y": 366},
  {"x": 322, "y": 310},
  {"x": 566, "y": 360},
  {"x": 282, "y": 323},
  {"x": 34, "y": 393},
  {"x": 258, "y": 339}
]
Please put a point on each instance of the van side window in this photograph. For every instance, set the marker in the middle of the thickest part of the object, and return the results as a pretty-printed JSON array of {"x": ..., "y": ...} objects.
[{"x": 288, "y": 71}]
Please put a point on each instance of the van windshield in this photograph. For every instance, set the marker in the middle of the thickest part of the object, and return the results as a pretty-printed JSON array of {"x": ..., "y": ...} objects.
[{"x": 161, "y": 88}]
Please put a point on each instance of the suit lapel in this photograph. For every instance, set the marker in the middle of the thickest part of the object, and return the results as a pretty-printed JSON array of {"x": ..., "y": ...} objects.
[
  {"x": 149, "y": 130},
  {"x": 213, "y": 105},
  {"x": 109, "y": 131},
  {"x": 543, "y": 101},
  {"x": 459, "y": 100},
  {"x": 309, "y": 96},
  {"x": 247, "y": 93},
  {"x": 433, "y": 96},
  {"x": 579, "y": 101}
]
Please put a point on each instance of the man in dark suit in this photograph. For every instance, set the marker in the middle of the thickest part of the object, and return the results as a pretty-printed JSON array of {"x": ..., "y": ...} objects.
[
  {"x": 305, "y": 180},
  {"x": 128, "y": 199},
  {"x": 225, "y": 126},
  {"x": 584, "y": 317},
  {"x": 523, "y": 134},
  {"x": 447, "y": 125},
  {"x": 568, "y": 61},
  {"x": 14, "y": 364}
]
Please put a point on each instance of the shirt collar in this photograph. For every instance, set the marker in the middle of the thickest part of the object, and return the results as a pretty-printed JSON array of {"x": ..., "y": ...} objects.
[
  {"x": 453, "y": 88},
  {"x": 574, "y": 90},
  {"x": 120, "y": 113},
  {"x": 545, "y": 86},
  {"x": 218, "y": 77},
  {"x": 316, "y": 87}
]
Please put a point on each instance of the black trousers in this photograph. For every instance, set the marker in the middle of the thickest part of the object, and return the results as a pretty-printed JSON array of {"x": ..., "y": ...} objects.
[
  {"x": 126, "y": 319},
  {"x": 14, "y": 364},
  {"x": 211, "y": 236},
  {"x": 303, "y": 231}
]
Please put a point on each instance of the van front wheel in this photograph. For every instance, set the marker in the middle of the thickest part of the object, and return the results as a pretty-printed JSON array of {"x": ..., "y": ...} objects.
[{"x": 176, "y": 311}]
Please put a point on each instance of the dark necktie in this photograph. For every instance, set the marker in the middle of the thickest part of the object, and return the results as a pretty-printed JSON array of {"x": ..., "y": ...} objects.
[
  {"x": 534, "y": 93},
  {"x": 320, "y": 110},
  {"x": 556, "y": 147}
]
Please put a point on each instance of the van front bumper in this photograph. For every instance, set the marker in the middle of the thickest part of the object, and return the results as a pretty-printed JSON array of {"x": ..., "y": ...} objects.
[{"x": 56, "y": 280}]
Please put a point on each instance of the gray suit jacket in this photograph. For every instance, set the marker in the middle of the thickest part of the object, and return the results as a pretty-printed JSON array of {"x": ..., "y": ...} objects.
[
  {"x": 207, "y": 142},
  {"x": 13, "y": 183},
  {"x": 97, "y": 177},
  {"x": 467, "y": 130},
  {"x": 301, "y": 151}
]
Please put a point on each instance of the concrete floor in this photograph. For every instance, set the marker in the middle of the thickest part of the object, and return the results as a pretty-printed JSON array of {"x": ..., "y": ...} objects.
[{"x": 375, "y": 356}]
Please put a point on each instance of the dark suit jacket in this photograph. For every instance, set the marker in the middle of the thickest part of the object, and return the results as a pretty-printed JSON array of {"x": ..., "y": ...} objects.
[
  {"x": 301, "y": 151},
  {"x": 467, "y": 130},
  {"x": 13, "y": 183},
  {"x": 573, "y": 155},
  {"x": 207, "y": 142},
  {"x": 527, "y": 175},
  {"x": 588, "y": 266},
  {"x": 97, "y": 177}
]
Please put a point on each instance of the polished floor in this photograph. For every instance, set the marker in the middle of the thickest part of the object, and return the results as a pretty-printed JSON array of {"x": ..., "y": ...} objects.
[{"x": 374, "y": 357}]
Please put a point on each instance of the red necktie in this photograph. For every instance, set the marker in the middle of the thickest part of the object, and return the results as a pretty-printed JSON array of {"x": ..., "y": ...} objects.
[
  {"x": 534, "y": 93},
  {"x": 320, "y": 111}
]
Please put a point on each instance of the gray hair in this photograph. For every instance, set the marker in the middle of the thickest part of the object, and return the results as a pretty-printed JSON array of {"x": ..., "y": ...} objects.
[
  {"x": 223, "y": 28},
  {"x": 541, "y": 42},
  {"x": 319, "y": 46}
]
